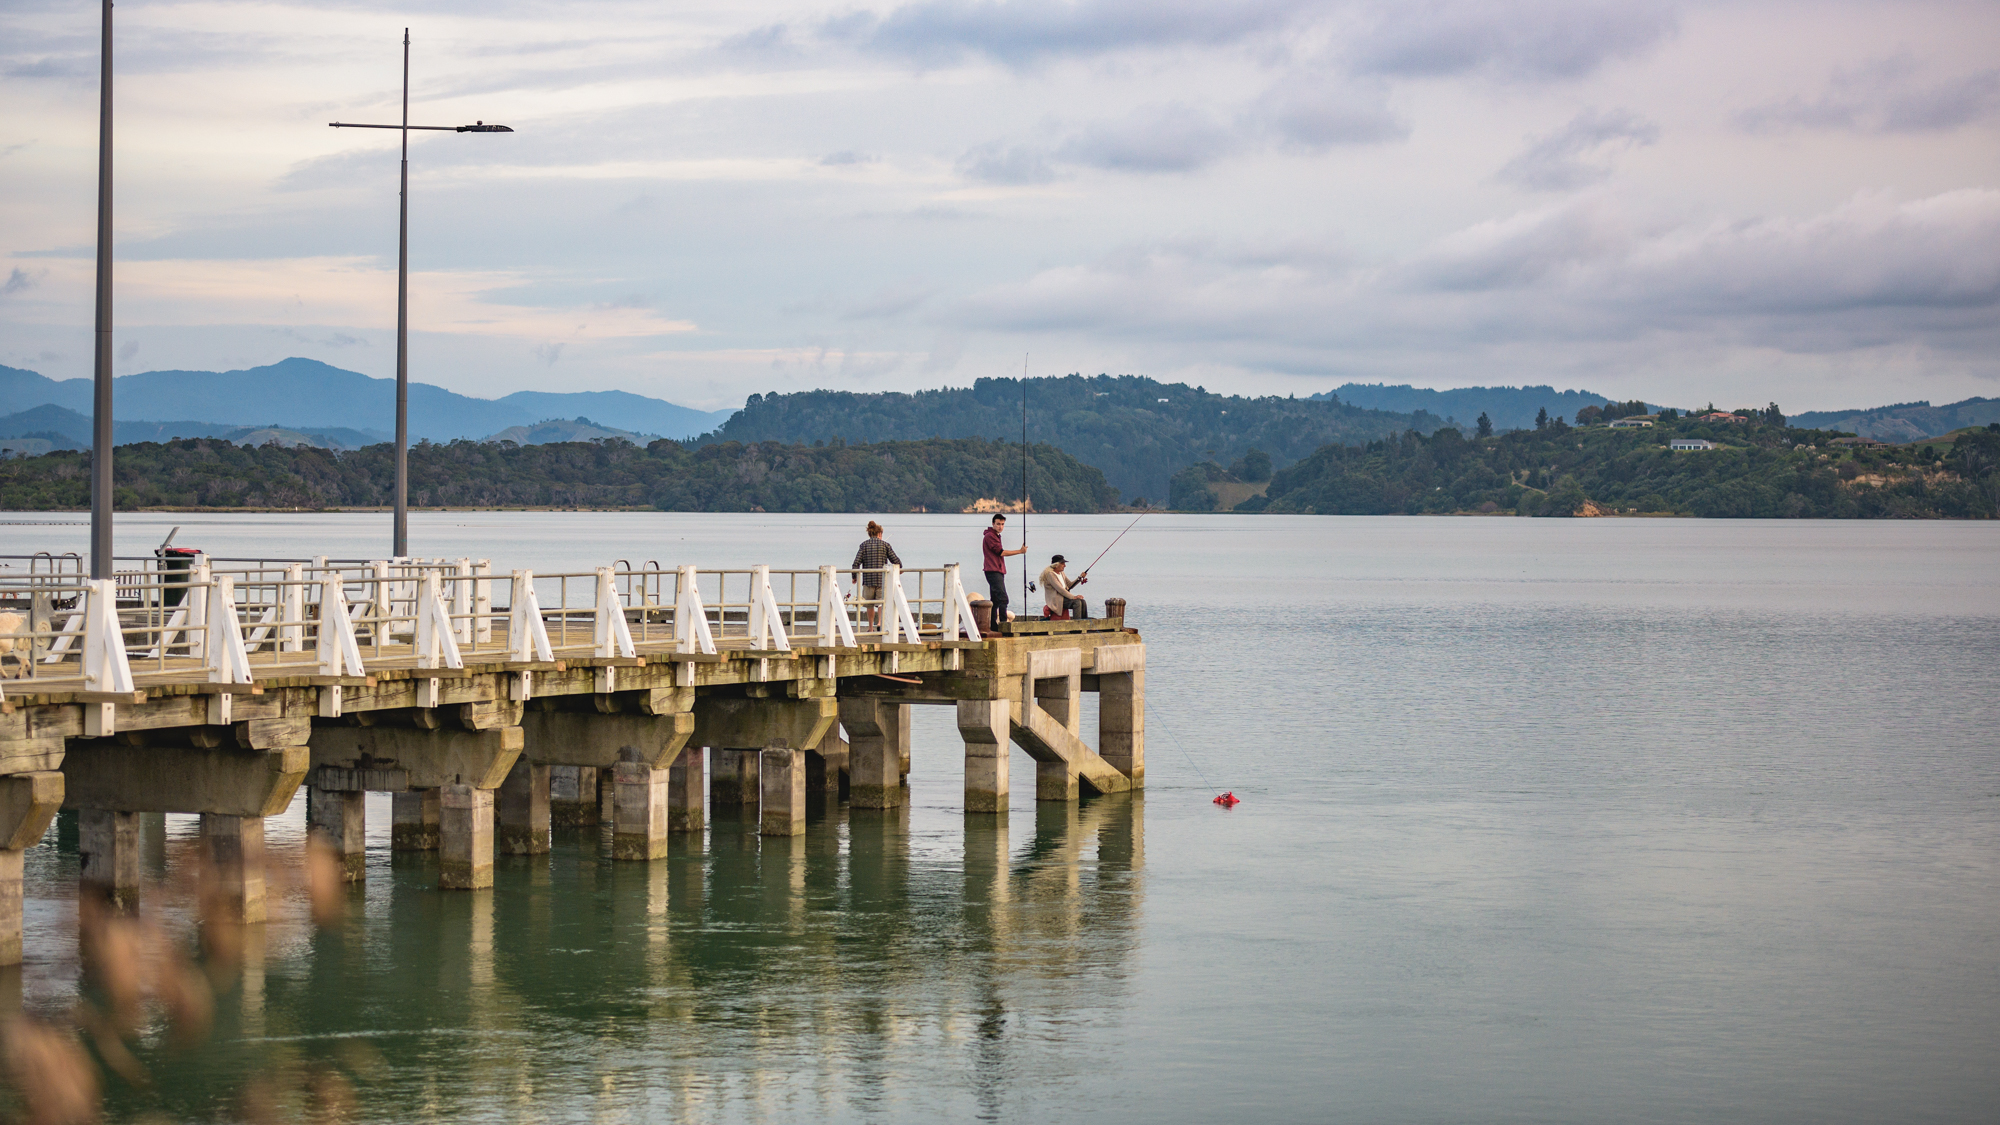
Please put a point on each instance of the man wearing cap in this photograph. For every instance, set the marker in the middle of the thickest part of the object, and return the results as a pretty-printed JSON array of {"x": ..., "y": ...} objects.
[{"x": 1056, "y": 593}]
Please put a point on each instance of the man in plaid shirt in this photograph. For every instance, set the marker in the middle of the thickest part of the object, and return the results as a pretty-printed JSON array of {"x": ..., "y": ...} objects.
[{"x": 869, "y": 559}]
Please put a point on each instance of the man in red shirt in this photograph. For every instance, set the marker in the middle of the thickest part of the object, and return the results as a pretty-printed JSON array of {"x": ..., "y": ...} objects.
[{"x": 995, "y": 554}]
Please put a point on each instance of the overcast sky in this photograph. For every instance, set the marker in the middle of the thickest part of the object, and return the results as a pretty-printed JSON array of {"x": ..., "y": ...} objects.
[{"x": 1677, "y": 201}]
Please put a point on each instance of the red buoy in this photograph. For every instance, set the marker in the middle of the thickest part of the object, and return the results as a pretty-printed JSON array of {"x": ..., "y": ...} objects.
[{"x": 1228, "y": 800}]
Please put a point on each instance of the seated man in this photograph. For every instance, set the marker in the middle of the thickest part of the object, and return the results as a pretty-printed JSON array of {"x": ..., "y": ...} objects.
[{"x": 1056, "y": 591}]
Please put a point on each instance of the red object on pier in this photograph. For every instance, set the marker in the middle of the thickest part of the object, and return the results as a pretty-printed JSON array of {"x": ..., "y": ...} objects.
[{"x": 1228, "y": 800}]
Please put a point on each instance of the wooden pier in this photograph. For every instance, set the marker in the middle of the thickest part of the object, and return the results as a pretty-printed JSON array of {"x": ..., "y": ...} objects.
[{"x": 497, "y": 707}]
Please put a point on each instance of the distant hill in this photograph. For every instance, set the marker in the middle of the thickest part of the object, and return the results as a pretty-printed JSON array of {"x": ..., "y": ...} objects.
[
  {"x": 564, "y": 429},
  {"x": 68, "y": 429},
  {"x": 1138, "y": 430},
  {"x": 1754, "y": 471},
  {"x": 1905, "y": 421},
  {"x": 1510, "y": 408},
  {"x": 305, "y": 394},
  {"x": 936, "y": 475}
]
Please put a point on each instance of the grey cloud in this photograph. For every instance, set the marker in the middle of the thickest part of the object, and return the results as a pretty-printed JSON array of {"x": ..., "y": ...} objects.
[
  {"x": 1886, "y": 96},
  {"x": 19, "y": 281},
  {"x": 1168, "y": 138},
  {"x": 846, "y": 158},
  {"x": 1922, "y": 277},
  {"x": 1020, "y": 32},
  {"x": 1513, "y": 39},
  {"x": 1301, "y": 112},
  {"x": 1560, "y": 161},
  {"x": 999, "y": 163},
  {"x": 1316, "y": 110},
  {"x": 548, "y": 353}
]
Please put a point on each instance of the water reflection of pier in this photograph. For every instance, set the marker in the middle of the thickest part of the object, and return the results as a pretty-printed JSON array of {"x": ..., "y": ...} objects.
[{"x": 744, "y": 971}]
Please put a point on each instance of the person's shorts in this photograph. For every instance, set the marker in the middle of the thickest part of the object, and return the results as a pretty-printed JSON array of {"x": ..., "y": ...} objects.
[{"x": 871, "y": 593}]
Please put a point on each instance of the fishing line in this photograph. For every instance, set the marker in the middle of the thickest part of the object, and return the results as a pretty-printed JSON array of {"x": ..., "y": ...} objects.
[{"x": 1206, "y": 784}]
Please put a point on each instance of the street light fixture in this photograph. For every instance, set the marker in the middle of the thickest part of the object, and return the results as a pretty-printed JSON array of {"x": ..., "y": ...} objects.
[{"x": 402, "y": 531}]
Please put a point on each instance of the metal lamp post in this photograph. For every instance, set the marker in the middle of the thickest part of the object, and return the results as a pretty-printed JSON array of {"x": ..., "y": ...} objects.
[
  {"x": 402, "y": 532},
  {"x": 101, "y": 562}
]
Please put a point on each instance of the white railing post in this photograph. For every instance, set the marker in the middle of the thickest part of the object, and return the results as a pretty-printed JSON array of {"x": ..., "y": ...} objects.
[
  {"x": 436, "y": 647},
  {"x": 228, "y": 660},
  {"x": 527, "y": 635},
  {"x": 104, "y": 665},
  {"x": 691, "y": 632},
  {"x": 611, "y": 636},
  {"x": 482, "y": 602},
  {"x": 767, "y": 621},
  {"x": 957, "y": 608},
  {"x": 834, "y": 627},
  {"x": 461, "y": 601},
  {"x": 898, "y": 608},
  {"x": 337, "y": 652},
  {"x": 292, "y": 621},
  {"x": 381, "y": 608},
  {"x": 196, "y": 602}
]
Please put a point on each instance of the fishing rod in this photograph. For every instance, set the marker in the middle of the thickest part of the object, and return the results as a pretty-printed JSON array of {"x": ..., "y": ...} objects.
[
  {"x": 1027, "y": 586},
  {"x": 1113, "y": 543}
]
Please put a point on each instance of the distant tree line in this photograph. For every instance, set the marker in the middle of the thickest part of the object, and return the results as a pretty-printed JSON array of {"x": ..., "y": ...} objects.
[
  {"x": 894, "y": 476},
  {"x": 1140, "y": 431},
  {"x": 1759, "y": 469}
]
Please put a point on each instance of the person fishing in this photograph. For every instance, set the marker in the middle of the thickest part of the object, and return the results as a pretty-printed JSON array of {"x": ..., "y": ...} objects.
[
  {"x": 869, "y": 559},
  {"x": 995, "y": 554},
  {"x": 1058, "y": 592}
]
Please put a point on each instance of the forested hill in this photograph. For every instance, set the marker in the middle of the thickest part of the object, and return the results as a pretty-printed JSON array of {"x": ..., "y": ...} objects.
[
  {"x": 1138, "y": 430},
  {"x": 1757, "y": 470},
  {"x": 936, "y": 475}
]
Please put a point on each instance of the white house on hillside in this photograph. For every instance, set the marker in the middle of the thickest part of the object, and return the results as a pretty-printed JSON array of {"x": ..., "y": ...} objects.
[{"x": 1689, "y": 443}]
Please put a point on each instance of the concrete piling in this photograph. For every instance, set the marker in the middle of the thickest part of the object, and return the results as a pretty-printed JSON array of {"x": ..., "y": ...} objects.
[
  {"x": 983, "y": 725},
  {"x": 639, "y": 828},
  {"x": 108, "y": 843},
  {"x": 521, "y": 809},
  {"x": 414, "y": 821},
  {"x": 573, "y": 796},
  {"x": 465, "y": 838},
  {"x": 874, "y": 761},
  {"x": 234, "y": 847},
  {"x": 732, "y": 776},
  {"x": 28, "y": 802},
  {"x": 339, "y": 820},
  {"x": 685, "y": 809},
  {"x": 783, "y": 809}
]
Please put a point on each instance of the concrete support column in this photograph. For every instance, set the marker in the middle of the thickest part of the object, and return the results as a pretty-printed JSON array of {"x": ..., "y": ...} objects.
[
  {"x": 465, "y": 838},
  {"x": 826, "y": 764},
  {"x": 898, "y": 714},
  {"x": 639, "y": 827},
  {"x": 108, "y": 844},
  {"x": 10, "y": 908},
  {"x": 339, "y": 820},
  {"x": 685, "y": 810},
  {"x": 235, "y": 854},
  {"x": 28, "y": 802},
  {"x": 783, "y": 774},
  {"x": 874, "y": 757},
  {"x": 522, "y": 809},
  {"x": 982, "y": 723},
  {"x": 1121, "y": 722},
  {"x": 607, "y": 796},
  {"x": 413, "y": 823},
  {"x": 572, "y": 796},
  {"x": 732, "y": 776},
  {"x": 1056, "y": 781}
]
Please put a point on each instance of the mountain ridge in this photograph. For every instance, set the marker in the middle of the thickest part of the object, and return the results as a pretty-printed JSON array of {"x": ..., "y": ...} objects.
[{"x": 306, "y": 394}]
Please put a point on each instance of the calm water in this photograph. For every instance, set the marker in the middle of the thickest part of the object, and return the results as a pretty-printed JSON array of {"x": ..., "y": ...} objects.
[{"x": 1543, "y": 820}]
